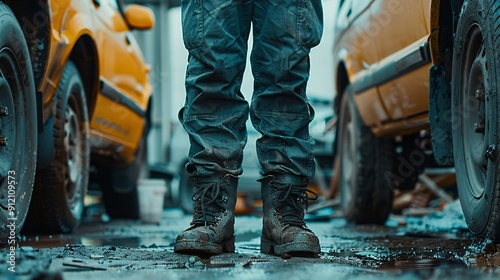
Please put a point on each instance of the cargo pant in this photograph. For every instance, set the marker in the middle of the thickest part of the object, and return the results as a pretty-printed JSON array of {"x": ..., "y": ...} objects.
[{"x": 216, "y": 33}]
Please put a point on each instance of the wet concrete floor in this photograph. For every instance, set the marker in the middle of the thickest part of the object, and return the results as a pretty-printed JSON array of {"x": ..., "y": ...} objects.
[{"x": 436, "y": 246}]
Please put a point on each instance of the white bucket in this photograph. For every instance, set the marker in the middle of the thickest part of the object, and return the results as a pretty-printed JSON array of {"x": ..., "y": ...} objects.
[{"x": 151, "y": 198}]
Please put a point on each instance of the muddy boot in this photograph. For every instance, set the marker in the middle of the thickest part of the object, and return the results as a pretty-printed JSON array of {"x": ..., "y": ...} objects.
[
  {"x": 284, "y": 230},
  {"x": 212, "y": 228}
]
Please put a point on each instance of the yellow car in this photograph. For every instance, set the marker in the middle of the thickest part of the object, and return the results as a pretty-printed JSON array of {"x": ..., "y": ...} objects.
[
  {"x": 417, "y": 86},
  {"x": 74, "y": 91}
]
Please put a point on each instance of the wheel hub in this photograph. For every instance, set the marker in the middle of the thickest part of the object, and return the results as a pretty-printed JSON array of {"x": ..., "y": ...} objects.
[
  {"x": 475, "y": 126},
  {"x": 8, "y": 121},
  {"x": 73, "y": 145},
  {"x": 7, "y": 125}
]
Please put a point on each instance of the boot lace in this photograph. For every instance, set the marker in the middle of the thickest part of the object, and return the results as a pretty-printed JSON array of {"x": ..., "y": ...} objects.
[
  {"x": 291, "y": 201},
  {"x": 209, "y": 202}
]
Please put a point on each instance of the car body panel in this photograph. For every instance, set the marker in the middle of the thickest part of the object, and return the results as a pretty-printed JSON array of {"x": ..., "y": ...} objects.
[
  {"x": 402, "y": 97},
  {"x": 357, "y": 50},
  {"x": 122, "y": 84},
  {"x": 392, "y": 29},
  {"x": 384, "y": 51},
  {"x": 361, "y": 46},
  {"x": 66, "y": 26},
  {"x": 426, "y": 8},
  {"x": 122, "y": 67}
]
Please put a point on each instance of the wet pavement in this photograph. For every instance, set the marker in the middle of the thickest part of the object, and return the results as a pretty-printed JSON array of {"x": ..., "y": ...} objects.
[{"x": 435, "y": 246}]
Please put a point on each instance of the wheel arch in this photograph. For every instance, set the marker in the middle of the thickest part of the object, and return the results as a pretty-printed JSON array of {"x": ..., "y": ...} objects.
[
  {"x": 444, "y": 18},
  {"x": 342, "y": 81},
  {"x": 84, "y": 55}
]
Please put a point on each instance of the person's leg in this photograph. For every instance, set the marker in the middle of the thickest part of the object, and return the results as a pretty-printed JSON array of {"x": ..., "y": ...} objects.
[
  {"x": 214, "y": 116},
  {"x": 284, "y": 33}
]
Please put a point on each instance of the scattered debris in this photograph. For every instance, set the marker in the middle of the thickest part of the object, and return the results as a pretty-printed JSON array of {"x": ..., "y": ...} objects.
[
  {"x": 94, "y": 264},
  {"x": 97, "y": 256},
  {"x": 28, "y": 261},
  {"x": 431, "y": 184},
  {"x": 194, "y": 262},
  {"x": 450, "y": 219}
]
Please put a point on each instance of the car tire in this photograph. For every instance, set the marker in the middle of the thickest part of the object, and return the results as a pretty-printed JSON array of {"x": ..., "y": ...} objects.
[
  {"x": 365, "y": 165},
  {"x": 60, "y": 189},
  {"x": 119, "y": 184},
  {"x": 18, "y": 127},
  {"x": 475, "y": 116}
]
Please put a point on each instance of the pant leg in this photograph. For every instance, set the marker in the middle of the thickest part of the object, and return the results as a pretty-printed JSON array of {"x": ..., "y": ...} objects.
[
  {"x": 284, "y": 33},
  {"x": 215, "y": 112}
]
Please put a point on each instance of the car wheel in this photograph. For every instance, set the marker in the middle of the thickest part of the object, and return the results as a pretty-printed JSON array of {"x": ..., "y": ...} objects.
[
  {"x": 119, "y": 184},
  {"x": 186, "y": 192},
  {"x": 365, "y": 165},
  {"x": 18, "y": 127},
  {"x": 475, "y": 117},
  {"x": 59, "y": 191}
]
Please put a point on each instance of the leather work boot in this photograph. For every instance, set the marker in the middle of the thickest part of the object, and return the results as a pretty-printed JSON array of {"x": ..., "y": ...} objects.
[
  {"x": 284, "y": 229},
  {"x": 212, "y": 228}
]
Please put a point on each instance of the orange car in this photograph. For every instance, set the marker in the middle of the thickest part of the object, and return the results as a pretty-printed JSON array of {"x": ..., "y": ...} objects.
[
  {"x": 74, "y": 91},
  {"x": 418, "y": 86}
]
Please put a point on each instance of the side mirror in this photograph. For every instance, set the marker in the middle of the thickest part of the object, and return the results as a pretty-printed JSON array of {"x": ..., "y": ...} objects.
[{"x": 139, "y": 17}]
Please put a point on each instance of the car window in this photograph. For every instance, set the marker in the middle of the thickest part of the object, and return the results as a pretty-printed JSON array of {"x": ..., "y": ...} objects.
[{"x": 116, "y": 5}]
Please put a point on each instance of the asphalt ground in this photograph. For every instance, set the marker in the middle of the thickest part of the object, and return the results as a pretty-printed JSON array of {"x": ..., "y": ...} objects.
[{"x": 433, "y": 246}]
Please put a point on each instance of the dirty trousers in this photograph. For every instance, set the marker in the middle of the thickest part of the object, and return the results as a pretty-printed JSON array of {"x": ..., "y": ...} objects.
[{"x": 216, "y": 33}]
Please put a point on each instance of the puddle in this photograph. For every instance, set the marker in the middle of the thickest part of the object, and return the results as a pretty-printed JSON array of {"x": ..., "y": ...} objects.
[
  {"x": 48, "y": 241},
  {"x": 132, "y": 234},
  {"x": 405, "y": 252},
  {"x": 219, "y": 265},
  {"x": 417, "y": 264}
]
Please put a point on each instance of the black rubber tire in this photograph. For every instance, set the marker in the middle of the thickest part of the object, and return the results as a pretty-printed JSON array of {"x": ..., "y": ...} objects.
[
  {"x": 366, "y": 163},
  {"x": 60, "y": 189},
  {"x": 17, "y": 95},
  {"x": 475, "y": 100},
  {"x": 119, "y": 184}
]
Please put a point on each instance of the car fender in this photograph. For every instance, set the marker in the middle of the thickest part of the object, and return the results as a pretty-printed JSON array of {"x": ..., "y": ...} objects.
[
  {"x": 444, "y": 14},
  {"x": 63, "y": 41}
]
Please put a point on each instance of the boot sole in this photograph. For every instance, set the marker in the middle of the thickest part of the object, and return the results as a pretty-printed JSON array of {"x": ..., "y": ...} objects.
[
  {"x": 300, "y": 249},
  {"x": 204, "y": 247}
]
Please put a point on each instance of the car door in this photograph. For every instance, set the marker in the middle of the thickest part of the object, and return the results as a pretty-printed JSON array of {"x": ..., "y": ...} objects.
[
  {"x": 354, "y": 34},
  {"x": 402, "y": 47},
  {"x": 122, "y": 102}
]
